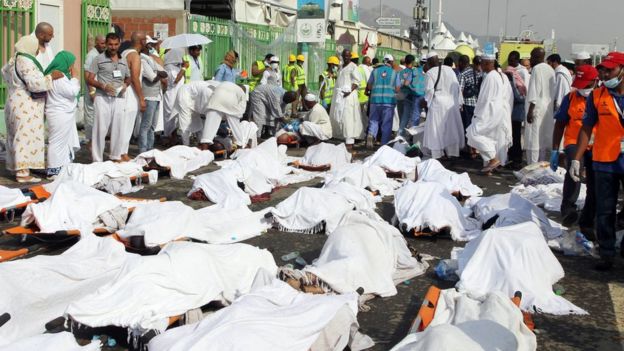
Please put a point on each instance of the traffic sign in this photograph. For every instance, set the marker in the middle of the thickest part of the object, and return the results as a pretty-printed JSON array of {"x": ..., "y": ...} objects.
[
  {"x": 392, "y": 31},
  {"x": 389, "y": 21}
]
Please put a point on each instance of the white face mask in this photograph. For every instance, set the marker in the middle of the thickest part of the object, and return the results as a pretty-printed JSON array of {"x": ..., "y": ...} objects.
[
  {"x": 585, "y": 92},
  {"x": 275, "y": 65}
]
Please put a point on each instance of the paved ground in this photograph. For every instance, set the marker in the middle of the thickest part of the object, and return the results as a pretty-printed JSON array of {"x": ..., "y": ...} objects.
[{"x": 602, "y": 294}]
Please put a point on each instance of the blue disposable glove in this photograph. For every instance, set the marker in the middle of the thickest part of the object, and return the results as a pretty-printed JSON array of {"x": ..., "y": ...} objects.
[{"x": 554, "y": 160}]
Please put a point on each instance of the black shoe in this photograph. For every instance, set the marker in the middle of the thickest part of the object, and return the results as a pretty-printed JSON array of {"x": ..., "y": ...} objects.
[
  {"x": 605, "y": 265},
  {"x": 570, "y": 218}
]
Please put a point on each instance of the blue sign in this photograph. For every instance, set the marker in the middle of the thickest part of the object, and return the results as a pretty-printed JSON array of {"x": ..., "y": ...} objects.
[{"x": 489, "y": 49}]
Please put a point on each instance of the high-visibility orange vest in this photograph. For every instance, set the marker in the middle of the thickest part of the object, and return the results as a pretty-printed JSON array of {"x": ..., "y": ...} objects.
[
  {"x": 575, "y": 112},
  {"x": 609, "y": 130}
]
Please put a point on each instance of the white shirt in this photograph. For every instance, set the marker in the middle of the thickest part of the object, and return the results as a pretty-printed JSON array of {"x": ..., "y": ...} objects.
[
  {"x": 272, "y": 77},
  {"x": 63, "y": 97},
  {"x": 46, "y": 57},
  {"x": 318, "y": 115},
  {"x": 563, "y": 83},
  {"x": 196, "y": 71}
]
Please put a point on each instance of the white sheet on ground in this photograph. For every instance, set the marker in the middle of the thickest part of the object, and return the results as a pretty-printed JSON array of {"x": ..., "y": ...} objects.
[
  {"x": 221, "y": 187},
  {"x": 421, "y": 205},
  {"x": 432, "y": 171},
  {"x": 462, "y": 322},
  {"x": 308, "y": 209},
  {"x": 160, "y": 223},
  {"x": 513, "y": 209},
  {"x": 72, "y": 206},
  {"x": 510, "y": 259},
  {"x": 274, "y": 317},
  {"x": 363, "y": 176},
  {"x": 94, "y": 173},
  {"x": 326, "y": 154},
  {"x": 548, "y": 195},
  {"x": 179, "y": 159},
  {"x": 540, "y": 173},
  {"x": 11, "y": 197},
  {"x": 37, "y": 290},
  {"x": 183, "y": 276},
  {"x": 64, "y": 341},
  {"x": 367, "y": 252},
  {"x": 392, "y": 160}
]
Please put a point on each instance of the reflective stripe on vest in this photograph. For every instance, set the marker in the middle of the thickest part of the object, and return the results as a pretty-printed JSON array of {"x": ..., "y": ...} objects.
[
  {"x": 300, "y": 77},
  {"x": 255, "y": 80},
  {"x": 329, "y": 84},
  {"x": 187, "y": 73},
  {"x": 362, "y": 98},
  {"x": 383, "y": 86},
  {"x": 286, "y": 78},
  {"x": 609, "y": 130},
  {"x": 575, "y": 112}
]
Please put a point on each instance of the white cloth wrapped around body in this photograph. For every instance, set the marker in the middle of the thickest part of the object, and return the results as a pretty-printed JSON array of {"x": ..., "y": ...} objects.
[
  {"x": 392, "y": 160},
  {"x": 463, "y": 322},
  {"x": 179, "y": 159},
  {"x": 64, "y": 341},
  {"x": 423, "y": 205},
  {"x": 11, "y": 197},
  {"x": 433, "y": 171},
  {"x": 183, "y": 276},
  {"x": 510, "y": 259},
  {"x": 362, "y": 176},
  {"x": 326, "y": 154},
  {"x": 365, "y": 252},
  {"x": 274, "y": 317}
]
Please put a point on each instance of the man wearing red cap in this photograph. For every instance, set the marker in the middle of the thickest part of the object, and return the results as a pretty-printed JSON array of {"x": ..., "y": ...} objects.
[
  {"x": 569, "y": 120},
  {"x": 604, "y": 113}
]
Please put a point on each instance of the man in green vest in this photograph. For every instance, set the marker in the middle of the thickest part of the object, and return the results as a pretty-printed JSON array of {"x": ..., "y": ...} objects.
[
  {"x": 383, "y": 85},
  {"x": 327, "y": 80},
  {"x": 257, "y": 70},
  {"x": 300, "y": 83},
  {"x": 194, "y": 72},
  {"x": 288, "y": 80}
]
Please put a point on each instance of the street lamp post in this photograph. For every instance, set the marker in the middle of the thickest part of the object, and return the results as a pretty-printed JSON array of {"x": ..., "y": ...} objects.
[{"x": 520, "y": 25}]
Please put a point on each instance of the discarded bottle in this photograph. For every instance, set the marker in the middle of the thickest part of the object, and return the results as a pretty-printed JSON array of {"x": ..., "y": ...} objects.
[
  {"x": 290, "y": 256},
  {"x": 290, "y": 266},
  {"x": 301, "y": 261},
  {"x": 558, "y": 289},
  {"x": 111, "y": 342},
  {"x": 446, "y": 270},
  {"x": 588, "y": 246}
]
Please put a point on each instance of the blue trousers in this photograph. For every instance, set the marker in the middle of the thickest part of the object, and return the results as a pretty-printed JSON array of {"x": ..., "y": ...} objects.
[
  {"x": 409, "y": 113},
  {"x": 607, "y": 186},
  {"x": 381, "y": 115},
  {"x": 148, "y": 125}
]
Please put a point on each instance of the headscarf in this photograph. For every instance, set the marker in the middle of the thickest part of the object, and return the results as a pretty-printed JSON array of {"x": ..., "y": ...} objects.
[
  {"x": 174, "y": 57},
  {"x": 27, "y": 46},
  {"x": 517, "y": 80},
  {"x": 62, "y": 62}
]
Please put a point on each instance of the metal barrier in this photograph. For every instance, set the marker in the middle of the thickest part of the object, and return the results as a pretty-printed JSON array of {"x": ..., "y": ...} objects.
[
  {"x": 17, "y": 18},
  {"x": 96, "y": 20}
]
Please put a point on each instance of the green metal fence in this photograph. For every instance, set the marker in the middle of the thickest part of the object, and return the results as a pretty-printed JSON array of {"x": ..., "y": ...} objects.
[
  {"x": 17, "y": 18},
  {"x": 251, "y": 41},
  {"x": 96, "y": 20}
]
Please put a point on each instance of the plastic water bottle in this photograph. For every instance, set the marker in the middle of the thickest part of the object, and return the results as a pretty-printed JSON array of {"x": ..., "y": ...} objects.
[
  {"x": 301, "y": 261},
  {"x": 588, "y": 246},
  {"x": 290, "y": 256},
  {"x": 558, "y": 289},
  {"x": 446, "y": 269}
]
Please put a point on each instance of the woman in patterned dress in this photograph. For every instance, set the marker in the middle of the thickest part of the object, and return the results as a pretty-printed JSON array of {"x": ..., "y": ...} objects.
[{"x": 24, "y": 111}]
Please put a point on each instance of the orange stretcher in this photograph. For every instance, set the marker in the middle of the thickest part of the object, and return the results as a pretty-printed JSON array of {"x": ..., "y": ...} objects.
[
  {"x": 36, "y": 193},
  {"x": 430, "y": 302},
  {"x": 57, "y": 237}
]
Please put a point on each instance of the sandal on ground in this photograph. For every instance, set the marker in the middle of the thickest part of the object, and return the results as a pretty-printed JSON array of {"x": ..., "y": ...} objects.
[{"x": 489, "y": 168}]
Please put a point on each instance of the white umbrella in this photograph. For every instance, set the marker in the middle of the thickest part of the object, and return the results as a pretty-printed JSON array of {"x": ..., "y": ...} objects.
[{"x": 184, "y": 41}]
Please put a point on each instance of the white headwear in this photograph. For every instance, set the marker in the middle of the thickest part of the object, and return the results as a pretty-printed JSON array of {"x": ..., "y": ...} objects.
[
  {"x": 388, "y": 58},
  {"x": 583, "y": 55},
  {"x": 423, "y": 58},
  {"x": 488, "y": 57},
  {"x": 310, "y": 97},
  {"x": 432, "y": 54},
  {"x": 150, "y": 40},
  {"x": 274, "y": 59}
]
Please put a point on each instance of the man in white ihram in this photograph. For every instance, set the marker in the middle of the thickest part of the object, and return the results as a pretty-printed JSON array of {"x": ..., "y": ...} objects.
[
  {"x": 345, "y": 111},
  {"x": 444, "y": 131},
  {"x": 540, "y": 123},
  {"x": 228, "y": 102},
  {"x": 490, "y": 130}
]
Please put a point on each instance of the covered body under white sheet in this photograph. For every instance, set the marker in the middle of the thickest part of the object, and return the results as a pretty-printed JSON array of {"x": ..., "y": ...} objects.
[
  {"x": 510, "y": 259},
  {"x": 432, "y": 171},
  {"x": 326, "y": 154},
  {"x": 183, "y": 276},
  {"x": 179, "y": 159},
  {"x": 273, "y": 318}
]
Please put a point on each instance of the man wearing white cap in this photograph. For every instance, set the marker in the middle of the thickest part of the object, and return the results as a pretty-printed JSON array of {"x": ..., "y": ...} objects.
[
  {"x": 490, "y": 130},
  {"x": 272, "y": 74},
  {"x": 582, "y": 58},
  {"x": 539, "y": 101},
  {"x": 444, "y": 131},
  {"x": 345, "y": 111},
  {"x": 317, "y": 126}
]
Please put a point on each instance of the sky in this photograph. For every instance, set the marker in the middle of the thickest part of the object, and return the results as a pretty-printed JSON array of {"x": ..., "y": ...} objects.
[{"x": 578, "y": 21}]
